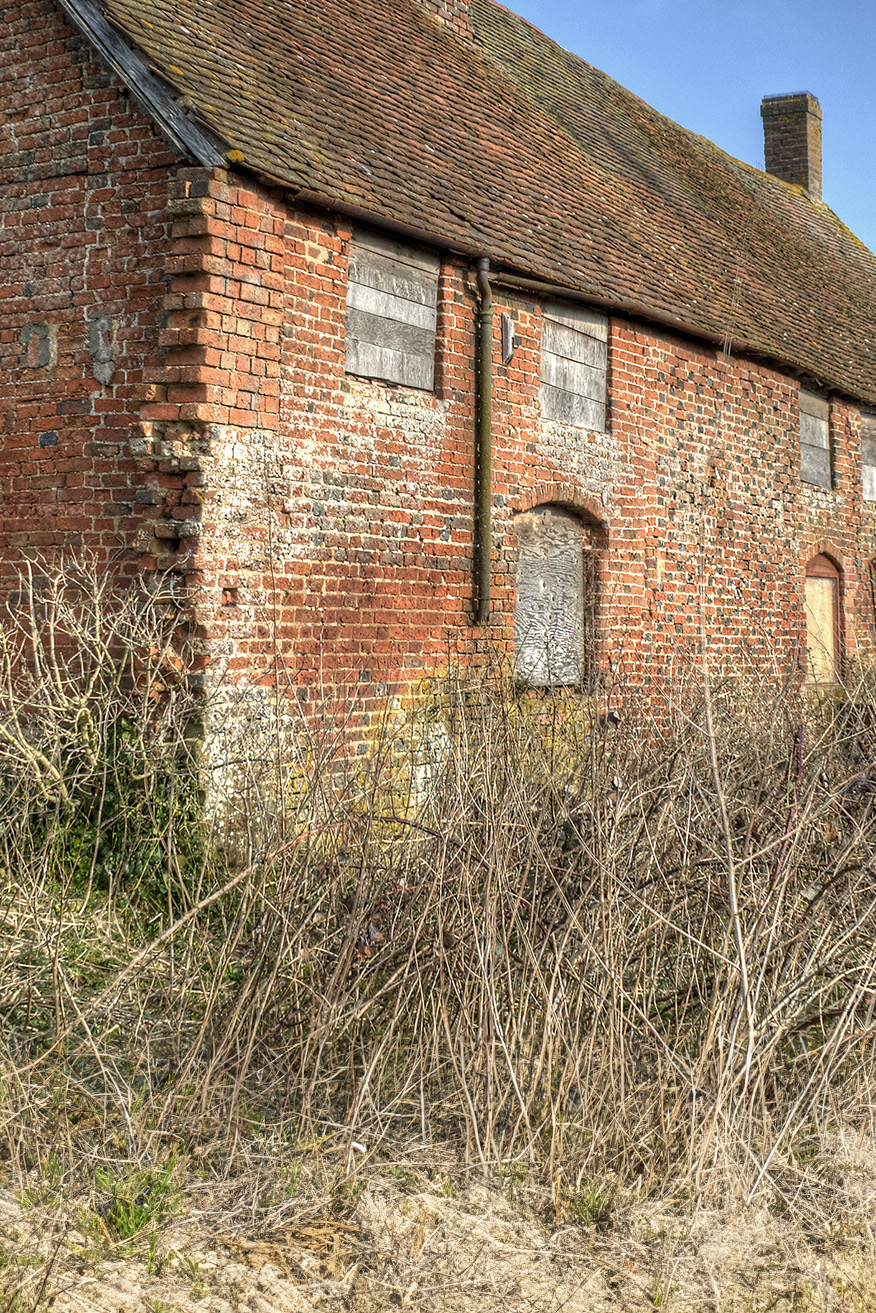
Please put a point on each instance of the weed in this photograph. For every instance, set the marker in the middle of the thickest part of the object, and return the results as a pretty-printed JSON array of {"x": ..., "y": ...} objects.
[
  {"x": 407, "y": 1179},
  {"x": 138, "y": 1200},
  {"x": 288, "y": 1183},
  {"x": 591, "y": 1203},
  {"x": 18, "y": 1260},
  {"x": 347, "y": 1192},
  {"x": 511, "y": 1177},
  {"x": 191, "y": 1268},
  {"x": 48, "y": 1185}
]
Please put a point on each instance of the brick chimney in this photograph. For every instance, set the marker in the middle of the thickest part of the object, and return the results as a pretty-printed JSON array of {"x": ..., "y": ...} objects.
[
  {"x": 792, "y": 140},
  {"x": 454, "y": 14}
]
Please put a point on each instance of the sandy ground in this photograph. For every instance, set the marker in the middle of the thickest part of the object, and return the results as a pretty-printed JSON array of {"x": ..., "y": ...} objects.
[{"x": 419, "y": 1249}]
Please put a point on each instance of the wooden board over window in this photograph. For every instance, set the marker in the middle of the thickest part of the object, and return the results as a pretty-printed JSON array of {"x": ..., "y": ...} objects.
[
  {"x": 392, "y": 300},
  {"x": 822, "y": 622},
  {"x": 868, "y": 456},
  {"x": 814, "y": 439},
  {"x": 574, "y": 348}
]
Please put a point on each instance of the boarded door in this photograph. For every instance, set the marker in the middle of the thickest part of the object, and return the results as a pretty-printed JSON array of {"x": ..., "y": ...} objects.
[
  {"x": 822, "y": 615},
  {"x": 550, "y": 622}
]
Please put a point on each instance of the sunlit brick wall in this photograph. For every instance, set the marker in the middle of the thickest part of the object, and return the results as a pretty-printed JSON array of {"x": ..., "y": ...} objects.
[{"x": 173, "y": 348}]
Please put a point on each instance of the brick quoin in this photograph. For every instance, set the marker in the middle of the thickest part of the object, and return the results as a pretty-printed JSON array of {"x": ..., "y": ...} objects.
[{"x": 175, "y": 400}]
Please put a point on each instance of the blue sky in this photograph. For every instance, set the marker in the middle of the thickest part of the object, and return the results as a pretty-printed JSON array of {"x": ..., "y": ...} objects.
[{"x": 708, "y": 63}]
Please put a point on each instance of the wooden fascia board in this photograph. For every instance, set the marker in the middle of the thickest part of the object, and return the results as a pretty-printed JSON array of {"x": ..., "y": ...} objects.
[{"x": 155, "y": 99}]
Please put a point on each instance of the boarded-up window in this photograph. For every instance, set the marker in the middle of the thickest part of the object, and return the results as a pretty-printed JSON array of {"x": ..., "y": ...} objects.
[
  {"x": 554, "y": 615},
  {"x": 814, "y": 439},
  {"x": 822, "y": 621},
  {"x": 574, "y": 347},
  {"x": 868, "y": 456},
  {"x": 392, "y": 299}
]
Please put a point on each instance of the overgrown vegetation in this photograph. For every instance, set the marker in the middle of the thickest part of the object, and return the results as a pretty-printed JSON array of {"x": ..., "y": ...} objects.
[{"x": 511, "y": 929}]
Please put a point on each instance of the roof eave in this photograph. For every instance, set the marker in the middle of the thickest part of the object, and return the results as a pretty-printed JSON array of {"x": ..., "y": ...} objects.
[
  {"x": 211, "y": 151},
  {"x": 514, "y": 276}
]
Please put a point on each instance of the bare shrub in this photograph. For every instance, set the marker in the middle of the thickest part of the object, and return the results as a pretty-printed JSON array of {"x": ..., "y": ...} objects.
[{"x": 525, "y": 950}]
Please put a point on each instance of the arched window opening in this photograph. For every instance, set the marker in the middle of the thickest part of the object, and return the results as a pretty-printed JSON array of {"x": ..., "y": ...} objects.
[
  {"x": 822, "y": 622},
  {"x": 555, "y": 613}
]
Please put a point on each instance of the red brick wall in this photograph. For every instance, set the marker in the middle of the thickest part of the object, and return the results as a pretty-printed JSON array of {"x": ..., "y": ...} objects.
[
  {"x": 713, "y": 493},
  {"x": 324, "y": 522},
  {"x": 83, "y": 235},
  {"x": 215, "y": 410},
  {"x": 341, "y": 524}
]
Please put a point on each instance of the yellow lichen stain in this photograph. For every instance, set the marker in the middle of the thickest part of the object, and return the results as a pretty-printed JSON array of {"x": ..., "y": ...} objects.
[
  {"x": 422, "y": 729},
  {"x": 838, "y": 224},
  {"x": 235, "y": 156}
]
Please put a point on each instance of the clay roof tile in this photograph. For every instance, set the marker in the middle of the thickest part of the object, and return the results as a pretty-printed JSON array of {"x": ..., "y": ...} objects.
[{"x": 506, "y": 143}]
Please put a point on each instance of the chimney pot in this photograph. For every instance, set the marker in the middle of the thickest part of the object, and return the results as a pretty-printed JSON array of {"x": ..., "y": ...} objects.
[{"x": 792, "y": 140}]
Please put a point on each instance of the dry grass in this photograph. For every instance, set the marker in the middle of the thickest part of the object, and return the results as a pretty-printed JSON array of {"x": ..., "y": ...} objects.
[
  {"x": 509, "y": 931},
  {"x": 432, "y": 1241}
]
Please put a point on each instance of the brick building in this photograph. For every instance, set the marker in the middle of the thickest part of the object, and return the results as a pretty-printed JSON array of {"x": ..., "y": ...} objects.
[{"x": 392, "y": 331}]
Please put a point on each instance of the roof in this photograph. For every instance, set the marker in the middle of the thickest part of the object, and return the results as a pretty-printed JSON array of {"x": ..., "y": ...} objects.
[{"x": 505, "y": 144}]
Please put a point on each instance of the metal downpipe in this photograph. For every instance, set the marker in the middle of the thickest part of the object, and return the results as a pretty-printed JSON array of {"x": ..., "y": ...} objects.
[{"x": 483, "y": 538}]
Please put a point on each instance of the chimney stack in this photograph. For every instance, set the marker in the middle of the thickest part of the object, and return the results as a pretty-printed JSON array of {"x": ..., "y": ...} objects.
[{"x": 792, "y": 140}]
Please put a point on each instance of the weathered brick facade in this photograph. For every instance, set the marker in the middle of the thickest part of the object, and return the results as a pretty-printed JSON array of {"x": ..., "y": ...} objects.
[
  {"x": 175, "y": 399},
  {"x": 83, "y": 242}
]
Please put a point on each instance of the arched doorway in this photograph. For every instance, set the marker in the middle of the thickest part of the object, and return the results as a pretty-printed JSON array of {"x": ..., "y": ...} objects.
[
  {"x": 822, "y": 621},
  {"x": 555, "y": 612}
]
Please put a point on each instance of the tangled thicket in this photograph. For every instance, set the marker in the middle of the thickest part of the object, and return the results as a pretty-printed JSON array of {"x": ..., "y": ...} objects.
[{"x": 511, "y": 927}]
